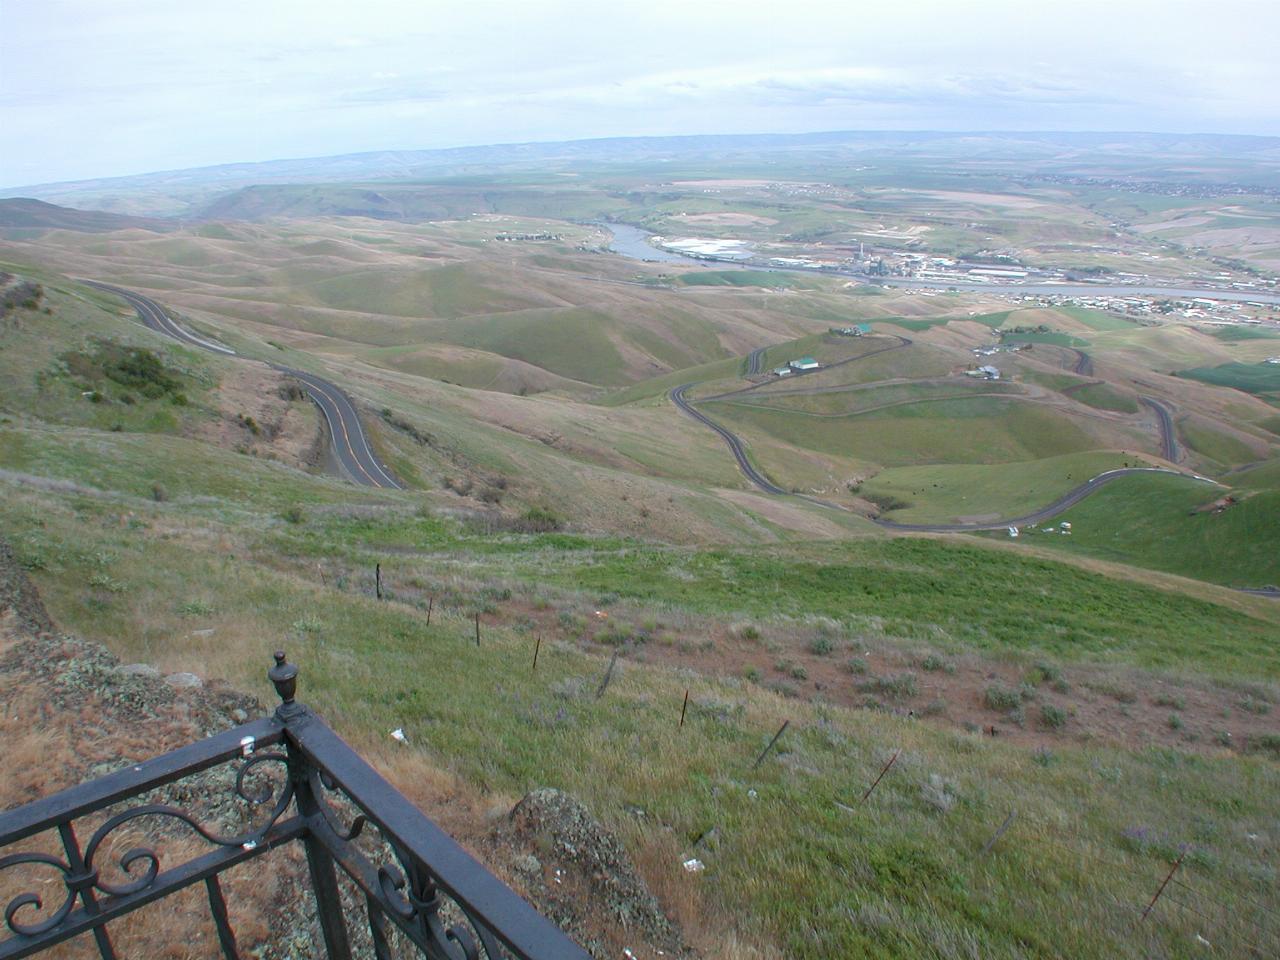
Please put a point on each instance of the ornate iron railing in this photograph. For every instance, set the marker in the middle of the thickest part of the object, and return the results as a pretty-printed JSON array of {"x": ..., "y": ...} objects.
[{"x": 413, "y": 884}]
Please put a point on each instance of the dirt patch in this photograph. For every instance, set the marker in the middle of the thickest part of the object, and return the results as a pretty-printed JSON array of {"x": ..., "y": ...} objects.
[
  {"x": 266, "y": 414},
  {"x": 1055, "y": 704},
  {"x": 577, "y": 864}
]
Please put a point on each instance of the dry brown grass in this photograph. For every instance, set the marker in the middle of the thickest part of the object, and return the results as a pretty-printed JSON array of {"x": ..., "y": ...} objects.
[{"x": 49, "y": 746}]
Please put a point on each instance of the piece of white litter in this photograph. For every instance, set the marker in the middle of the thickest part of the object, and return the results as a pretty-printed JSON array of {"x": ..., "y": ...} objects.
[
  {"x": 626, "y": 952},
  {"x": 1200, "y": 939},
  {"x": 398, "y": 734},
  {"x": 694, "y": 866},
  {"x": 558, "y": 876},
  {"x": 751, "y": 794}
]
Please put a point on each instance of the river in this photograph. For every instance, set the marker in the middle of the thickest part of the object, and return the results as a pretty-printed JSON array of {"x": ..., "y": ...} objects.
[{"x": 633, "y": 242}]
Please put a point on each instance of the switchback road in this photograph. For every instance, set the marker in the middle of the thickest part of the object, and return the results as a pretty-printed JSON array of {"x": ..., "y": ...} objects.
[
  {"x": 1069, "y": 499},
  {"x": 350, "y": 442}
]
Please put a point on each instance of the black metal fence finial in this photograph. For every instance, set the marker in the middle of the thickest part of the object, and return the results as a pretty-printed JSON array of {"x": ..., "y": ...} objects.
[{"x": 284, "y": 677}]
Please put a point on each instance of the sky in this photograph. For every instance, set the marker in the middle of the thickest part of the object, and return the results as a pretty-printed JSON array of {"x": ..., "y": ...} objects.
[{"x": 98, "y": 88}]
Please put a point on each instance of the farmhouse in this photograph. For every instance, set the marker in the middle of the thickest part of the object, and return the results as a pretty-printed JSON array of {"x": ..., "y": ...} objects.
[
  {"x": 804, "y": 363},
  {"x": 985, "y": 372}
]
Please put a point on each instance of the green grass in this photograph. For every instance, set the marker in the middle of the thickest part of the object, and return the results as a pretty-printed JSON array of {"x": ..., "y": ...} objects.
[
  {"x": 1258, "y": 378},
  {"x": 1103, "y": 396},
  {"x": 993, "y": 320},
  {"x": 85, "y": 364},
  {"x": 982, "y": 429},
  {"x": 943, "y": 493},
  {"x": 1055, "y": 337},
  {"x": 1232, "y": 334},
  {"x": 1096, "y": 319},
  {"x": 660, "y": 386},
  {"x": 1146, "y": 521},
  {"x": 1218, "y": 446},
  {"x": 572, "y": 342},
  {"x": 790, "y": 867}
]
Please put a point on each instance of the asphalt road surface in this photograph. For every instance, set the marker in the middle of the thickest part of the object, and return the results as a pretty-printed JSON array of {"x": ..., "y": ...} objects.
[
  {"x": 736, "y": 446},
  {"x": 1168, "y": 439},
  {"x": 350, "y": 442}
]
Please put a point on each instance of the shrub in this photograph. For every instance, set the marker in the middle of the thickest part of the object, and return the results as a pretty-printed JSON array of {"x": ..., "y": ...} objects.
[
  {"x": 540, "y": 520},
  {"x": 938, "y": 793},
  {"x": 1267, "y": 744},
  {"x": 821, "y": 646},
  {"x": 1175, "y": 722},
  {"x": 745, "y": 631},
  {"x": 933, "y": 662},
  {"x": 1052, "y": 718},
  {"x": 158, "y": 493},
  {"x": 901, "y": 686},
  {"x": 752, "y": 674},
  {"x": 1045, "y": 672},
  {"x": 1255, "y": 705},
  {"x": 856, "y": 665},
  {"x": 294, "y": 514},
  {"x": 1168, "y": 700},
  {"x": 782, "y": 688},
  {"x": 1002, "y": 698}
]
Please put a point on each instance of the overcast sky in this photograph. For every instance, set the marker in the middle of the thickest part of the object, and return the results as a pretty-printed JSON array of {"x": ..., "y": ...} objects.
[{"x": 92, "y": 88}]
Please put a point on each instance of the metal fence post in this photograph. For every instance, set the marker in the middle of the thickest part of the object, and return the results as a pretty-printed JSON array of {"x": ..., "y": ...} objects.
[{"x": 324, "y": 877}]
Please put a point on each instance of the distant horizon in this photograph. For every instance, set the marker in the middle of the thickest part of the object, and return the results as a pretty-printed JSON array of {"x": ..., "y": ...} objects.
[
  {"x": 8, "y": 190},
  {"x": 97, "y": 91}
]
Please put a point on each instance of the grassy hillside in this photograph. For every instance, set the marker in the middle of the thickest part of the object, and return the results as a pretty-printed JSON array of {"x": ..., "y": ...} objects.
[
  {"x": 1153, "y": 521},
  {"x": 143, "y": 589},
  {"x": 1262, "y": 378},
  {"x": 1129, "y": 695},
  {"x": 947, "y": 492}
]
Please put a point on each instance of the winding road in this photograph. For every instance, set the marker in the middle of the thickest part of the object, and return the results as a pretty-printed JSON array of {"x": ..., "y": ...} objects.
[
  {"x": 1168, "y": 439},
  {"x": 350, "y": 442},
  {"x": 1069, "y": 499}
]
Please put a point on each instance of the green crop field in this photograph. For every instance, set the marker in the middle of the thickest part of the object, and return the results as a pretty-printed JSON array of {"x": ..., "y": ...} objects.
[
  {"x": 742, "y": 278},
  {"x": 1216, "y": 445},
  {"x": 1055, "y": 337},
  {"x": 1232, "y": 334},
  {"x": 981, "y": 429},
  {"x": 1250, "y": 377},
  {"x": 946, "y": 492},
  {"x": 1106, "y": 397}
]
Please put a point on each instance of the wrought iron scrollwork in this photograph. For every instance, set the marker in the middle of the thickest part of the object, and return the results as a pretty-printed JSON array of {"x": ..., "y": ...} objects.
[
  {"x": 91, "y": 878},
  {"x": 34, "y": 900}
]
